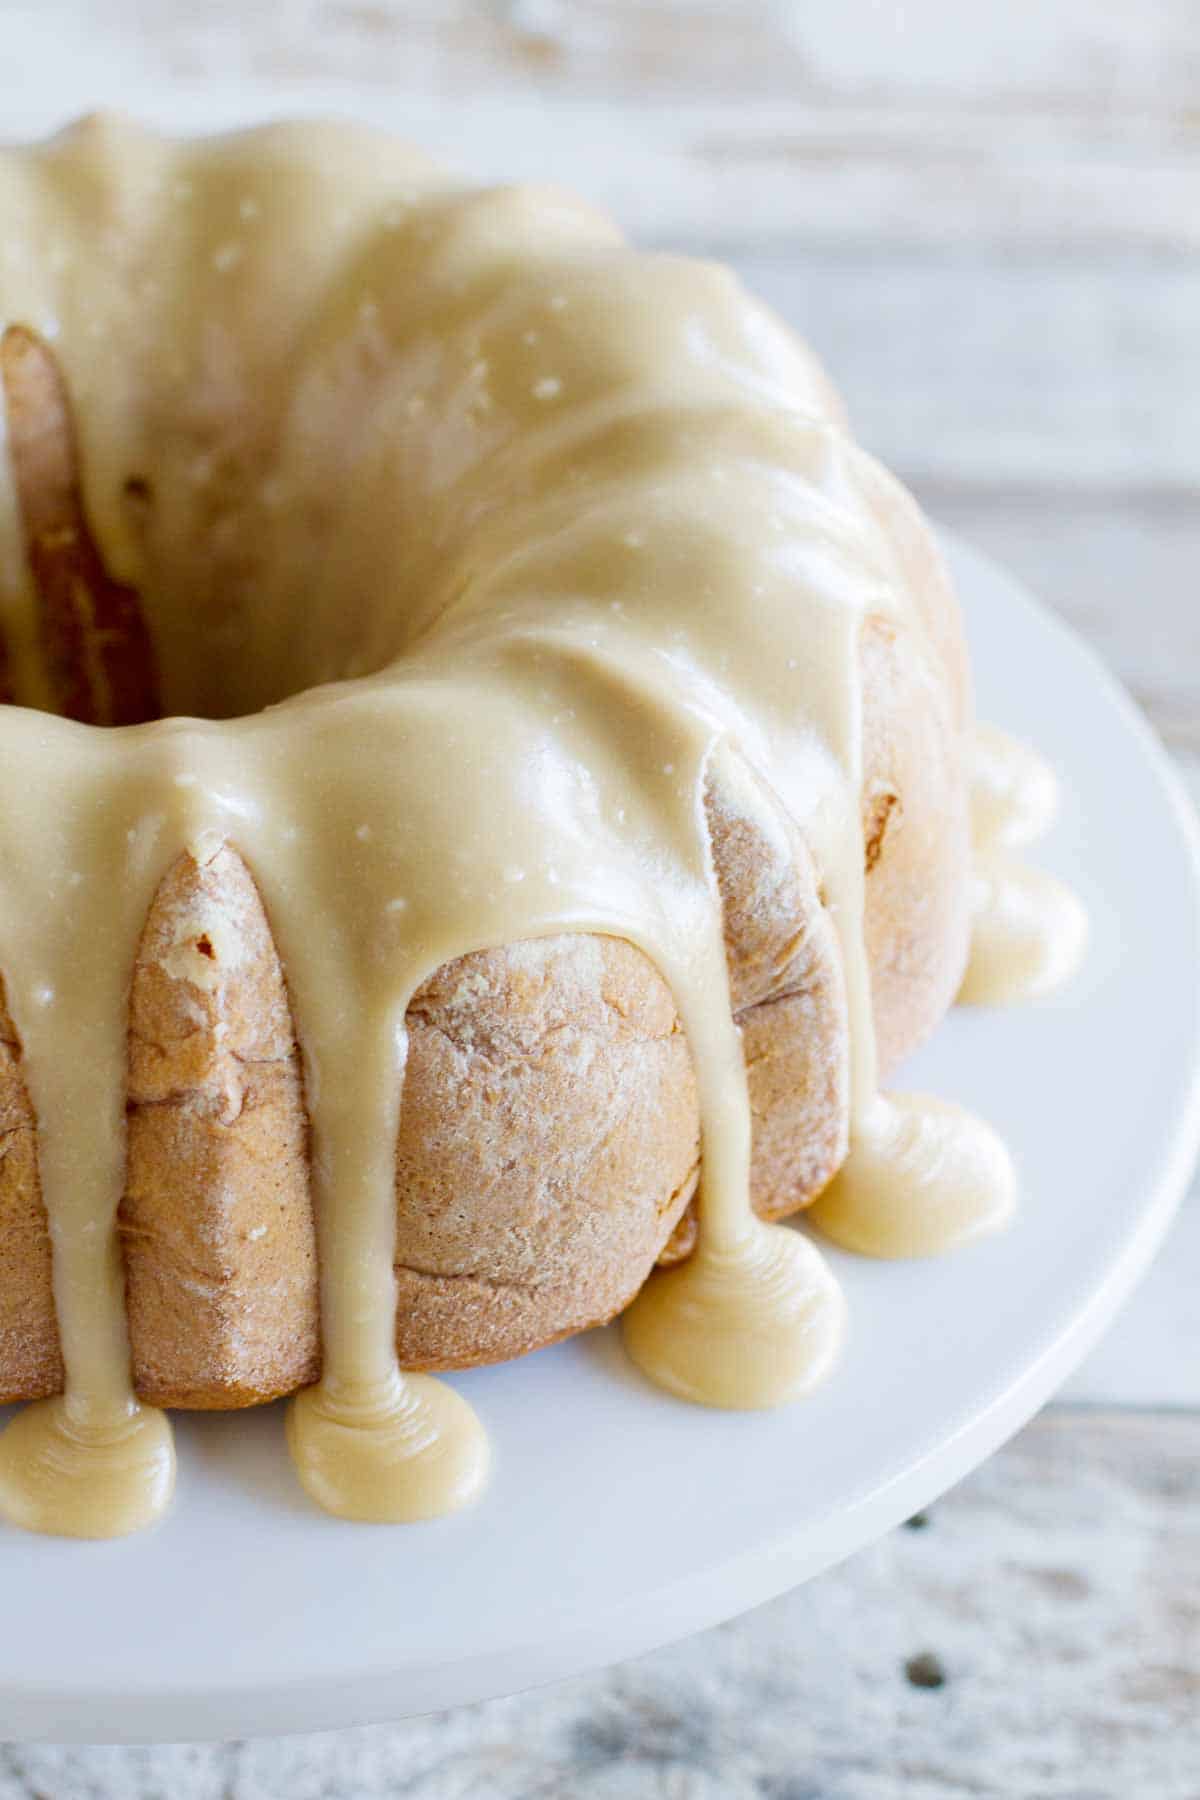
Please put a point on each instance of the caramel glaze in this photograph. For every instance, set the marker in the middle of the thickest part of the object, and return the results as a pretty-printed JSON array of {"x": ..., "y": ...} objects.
[
  {"x": 535, "y": 529},
  {"x": 1028, "y": 930}
]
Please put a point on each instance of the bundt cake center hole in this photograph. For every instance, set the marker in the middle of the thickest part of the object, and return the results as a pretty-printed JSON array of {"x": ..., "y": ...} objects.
[
  {"x": 87, "y": 648},
  {"x": 178, "y": 639}
]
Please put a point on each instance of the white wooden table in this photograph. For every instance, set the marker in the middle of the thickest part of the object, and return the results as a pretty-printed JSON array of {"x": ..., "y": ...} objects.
[{"x": 986, "y": 219}]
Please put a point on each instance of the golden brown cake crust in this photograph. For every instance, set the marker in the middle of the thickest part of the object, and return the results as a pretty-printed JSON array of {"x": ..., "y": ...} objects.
[
  {"x": 30, "y": 1363},
  {"x": 216, "y": 1222}
]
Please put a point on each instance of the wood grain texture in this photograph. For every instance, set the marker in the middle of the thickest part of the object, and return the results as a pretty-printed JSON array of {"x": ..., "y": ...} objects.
[
  {"x": 1024, "y": 371},
  {"x": 1052, "y": 1601},
  {"x": 1067, "y": 123}
]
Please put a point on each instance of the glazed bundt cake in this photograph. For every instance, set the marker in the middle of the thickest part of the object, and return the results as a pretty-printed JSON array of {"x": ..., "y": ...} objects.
[{"x": 486, "y": 792}]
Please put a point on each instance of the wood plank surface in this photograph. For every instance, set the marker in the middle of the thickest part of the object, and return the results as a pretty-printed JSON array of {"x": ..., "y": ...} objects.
[
  {"x": 1066, "y": 123},
  {"x": 1023, "y": 371}
]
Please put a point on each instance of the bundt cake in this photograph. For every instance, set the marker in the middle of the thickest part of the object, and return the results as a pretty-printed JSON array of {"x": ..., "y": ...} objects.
[{"x": 486, "y": 790}]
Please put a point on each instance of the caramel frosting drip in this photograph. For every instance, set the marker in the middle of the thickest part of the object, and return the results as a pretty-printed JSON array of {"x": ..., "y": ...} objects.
[
  {"x": 922, "y": 1175},
  {"x": 1014, "y": 794},
  {"x": 466, "y": 540},
  {"x": 1029, "y": 931}
]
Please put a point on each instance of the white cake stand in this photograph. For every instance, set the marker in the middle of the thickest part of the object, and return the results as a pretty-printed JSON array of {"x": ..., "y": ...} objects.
[{"x": 618, "y": 1519}]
